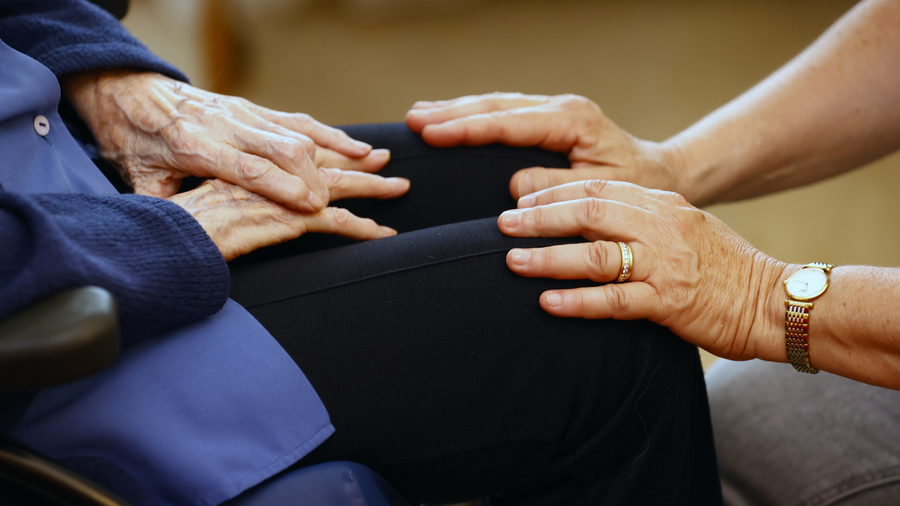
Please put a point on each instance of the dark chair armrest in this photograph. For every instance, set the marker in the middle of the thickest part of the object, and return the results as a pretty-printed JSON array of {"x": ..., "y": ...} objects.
[
  {"x": 62, "y": 338},
  {"x": 43, "y": 482}
]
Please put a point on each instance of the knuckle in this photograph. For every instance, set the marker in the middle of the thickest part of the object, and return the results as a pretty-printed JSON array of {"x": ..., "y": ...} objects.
[
  {"x": 693, "y": 221},
  {"x": 214, "y": 98},
  {"x": 340, "y": 216},
  {"x": 576, "y": 302},
  {"x": 181, "y": 132},
  {"x": 496, "y": 100},
  {"x": 585, "y": 303},
  {"x": 294, "y": 149},
  {"x": 253, "y": 170},
  {"x": 285, "y": 147},
  {"x": 616, "y": 298},
  {"x": 307, "y": 145},
  {"x": 680, "y": 201},
  {"x": 598, "y": 260},
  {"x": 572, "y": 101},
  {"x": 240, "y": 102},
  {"x": 591, "y": 211},
  {"x": 544, "y": 259},
  {"x": 190, "y": 147},
  {"x": 536, "y": 217},
  {"x": 303, "y": 119},
  {"x": 183, "y": 144},
  {"x": 336, "y": 133},
  {"x": 672, "y": 198},
  {"x": 594, "y": 188}
]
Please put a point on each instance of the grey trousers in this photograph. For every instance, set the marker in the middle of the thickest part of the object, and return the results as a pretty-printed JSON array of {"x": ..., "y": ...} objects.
[{"x": 786, "y": 438}]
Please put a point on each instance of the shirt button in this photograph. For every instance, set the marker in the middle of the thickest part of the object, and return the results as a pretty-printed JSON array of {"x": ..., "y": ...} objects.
[{"x": 41, "y": 125}]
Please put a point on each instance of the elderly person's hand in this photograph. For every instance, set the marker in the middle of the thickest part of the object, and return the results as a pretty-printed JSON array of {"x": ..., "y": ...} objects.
[
  {"x": 157, "y": 131},
  {"x": 691, "y": 272},
  {"x": 597, "y": 147},
  {"x": 239, "y": 221}
]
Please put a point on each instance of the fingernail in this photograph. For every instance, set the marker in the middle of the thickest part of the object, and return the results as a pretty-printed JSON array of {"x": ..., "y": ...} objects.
[
  {"x": 388, "y": 231},
  {"x": 526, "y": 201},
  {"x": 399, "y": 181},
  {"x": 525, "y": 183},
  {"x": 520, "y": 256},
  {"x": 315, "y": 201},
  {"x": 380, "y": 153},
  {"x": 362, "y": 144},
  {"x": 510, "y": 219},
  {"x": 554, "y": 299}
]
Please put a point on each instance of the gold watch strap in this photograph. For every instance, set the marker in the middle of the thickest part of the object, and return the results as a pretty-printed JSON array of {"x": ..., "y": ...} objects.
[{"x": 796, "y": 334}]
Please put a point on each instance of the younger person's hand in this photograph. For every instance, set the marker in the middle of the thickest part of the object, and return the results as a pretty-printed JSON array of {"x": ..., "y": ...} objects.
[
  {"x": 597, "y": 147},
  {"x": 691, "y": 272}
]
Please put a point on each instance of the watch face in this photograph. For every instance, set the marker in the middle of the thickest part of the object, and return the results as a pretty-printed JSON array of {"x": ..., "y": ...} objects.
[{"x": 806, "y": 284}]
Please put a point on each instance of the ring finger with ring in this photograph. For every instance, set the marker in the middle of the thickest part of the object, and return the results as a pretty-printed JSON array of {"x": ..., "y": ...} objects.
[{"x": 600, "y": 261}]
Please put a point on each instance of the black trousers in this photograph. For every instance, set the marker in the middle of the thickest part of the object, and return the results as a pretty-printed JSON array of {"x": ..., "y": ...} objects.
[{"x": 440, "y": 370}]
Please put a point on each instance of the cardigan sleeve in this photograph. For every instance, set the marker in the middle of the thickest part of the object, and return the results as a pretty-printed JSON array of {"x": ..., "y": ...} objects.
[
  {"x": 158, "y": 262},
  {"x": 75, "y": 35}
]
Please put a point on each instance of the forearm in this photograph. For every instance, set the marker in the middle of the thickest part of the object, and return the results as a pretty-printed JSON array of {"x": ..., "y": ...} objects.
[
  {"x": 834, "y": 107},
  {"x": 853, "y": 327}
]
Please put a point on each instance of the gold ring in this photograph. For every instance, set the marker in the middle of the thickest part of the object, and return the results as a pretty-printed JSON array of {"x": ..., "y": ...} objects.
[{"x": 627, "y": 262}]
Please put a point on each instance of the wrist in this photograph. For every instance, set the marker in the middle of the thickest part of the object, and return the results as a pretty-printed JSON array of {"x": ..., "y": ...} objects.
[
  {"x": 659, "y": 166},
  {"x": 92, "y": 92},
  {"x": 713, "y": 167},
  {"x": 675, "y": 159},
  {"x": 83, "y": 91},
  {"x": 769, "y": 327},
  {"x": 80, "y": 89}
]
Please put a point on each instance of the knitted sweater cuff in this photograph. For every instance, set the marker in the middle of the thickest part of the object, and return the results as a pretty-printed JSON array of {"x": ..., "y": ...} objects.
[{"x": 105, "y": 55}]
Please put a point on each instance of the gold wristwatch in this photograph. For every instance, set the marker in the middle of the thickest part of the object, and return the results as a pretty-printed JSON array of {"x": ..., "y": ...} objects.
[{"x": 801, "y": 288}]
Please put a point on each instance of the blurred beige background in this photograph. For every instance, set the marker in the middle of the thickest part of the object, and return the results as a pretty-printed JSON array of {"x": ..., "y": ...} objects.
[{"x": 654, "y": 66}]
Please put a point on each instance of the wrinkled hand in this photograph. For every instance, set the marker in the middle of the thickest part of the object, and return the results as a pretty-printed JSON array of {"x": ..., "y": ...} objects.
[
  {"x": 597, "y": 147},
  {"x": 239, "y": 221},
  {"x": 157, "y": 131},
  {"x": 691, "y": 272}
]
